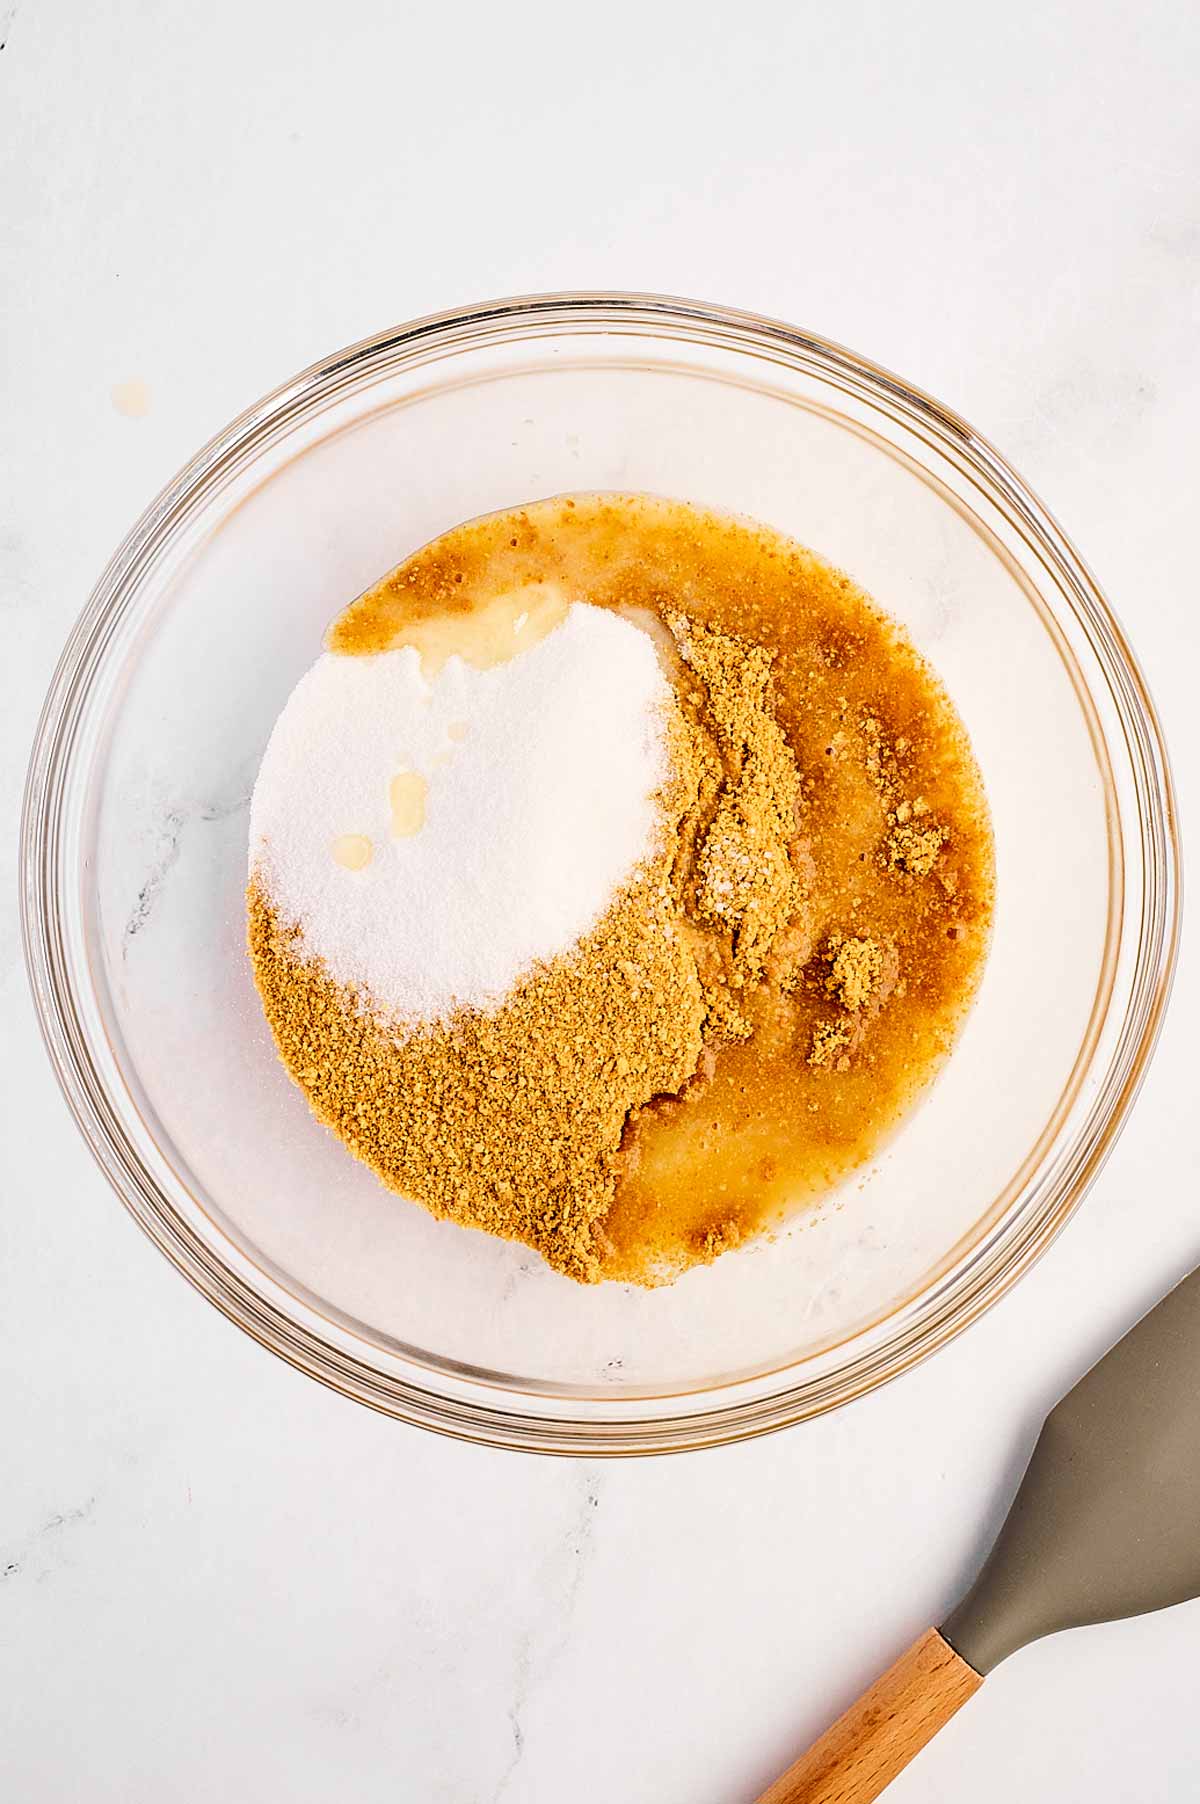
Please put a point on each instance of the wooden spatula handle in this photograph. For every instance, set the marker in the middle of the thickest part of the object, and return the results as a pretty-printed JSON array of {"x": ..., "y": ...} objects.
[{"x": 878, "y": 1736}]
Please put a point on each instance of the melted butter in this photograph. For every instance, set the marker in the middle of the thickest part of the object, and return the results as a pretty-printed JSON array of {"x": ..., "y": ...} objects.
[
  {"x": 353, "y": 851},
  {"x": 482, "y": 636},
  {"x": 406, "y": 793}
]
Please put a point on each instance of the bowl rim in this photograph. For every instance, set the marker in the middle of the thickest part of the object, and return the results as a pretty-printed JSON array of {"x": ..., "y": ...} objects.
[{"x": 488, "y": 1418}]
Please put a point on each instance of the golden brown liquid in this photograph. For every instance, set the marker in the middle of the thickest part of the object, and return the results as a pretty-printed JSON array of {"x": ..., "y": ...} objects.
[
  {"x": 491, "y": 633},
  {"x": 770, "y": 1129},
  {"x": 406, "y": 793},
  {"x": 353, "y": 851}
]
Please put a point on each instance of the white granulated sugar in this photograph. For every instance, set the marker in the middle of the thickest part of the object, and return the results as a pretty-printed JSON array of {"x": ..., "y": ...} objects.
[{"x": 542, "y": 774}]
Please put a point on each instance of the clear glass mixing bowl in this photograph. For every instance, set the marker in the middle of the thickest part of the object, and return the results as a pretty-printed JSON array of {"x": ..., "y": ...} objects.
[{"x": 134, "y": 860}]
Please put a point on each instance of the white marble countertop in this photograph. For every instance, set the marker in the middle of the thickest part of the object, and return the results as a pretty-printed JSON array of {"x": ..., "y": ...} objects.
[{"x": 217, "y": 1580}]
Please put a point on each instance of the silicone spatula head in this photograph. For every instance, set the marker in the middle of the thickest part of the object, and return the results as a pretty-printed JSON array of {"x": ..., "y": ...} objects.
[{"x": 1106, "y": 1523}]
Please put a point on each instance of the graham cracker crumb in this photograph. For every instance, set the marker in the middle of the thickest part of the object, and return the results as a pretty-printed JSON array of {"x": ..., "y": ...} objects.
[
  {"x": 855, "y": 968},
  {"x": 907, "y": 848},
  {"x": 829, "y": 1040},
  {"x": 914, "y": 849},
  {"x": 507, "y": 1121}
]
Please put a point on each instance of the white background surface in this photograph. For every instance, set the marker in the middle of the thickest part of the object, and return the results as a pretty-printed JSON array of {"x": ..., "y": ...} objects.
[{"x": 216, "y": 1580}]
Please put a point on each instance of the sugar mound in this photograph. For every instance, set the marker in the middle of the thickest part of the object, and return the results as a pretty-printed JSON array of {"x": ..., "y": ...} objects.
[{"x": 539, "y": 780}]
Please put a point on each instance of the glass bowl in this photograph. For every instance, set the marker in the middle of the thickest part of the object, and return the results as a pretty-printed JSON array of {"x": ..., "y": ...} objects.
[{"x": 134, "y": 863}]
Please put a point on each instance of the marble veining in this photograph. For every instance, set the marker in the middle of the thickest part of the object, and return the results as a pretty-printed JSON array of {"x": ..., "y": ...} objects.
[
  {"x": 543, "y": 1642},
  {"x": 172, "y": 822},
  {"x": 39, "y": 1553}
]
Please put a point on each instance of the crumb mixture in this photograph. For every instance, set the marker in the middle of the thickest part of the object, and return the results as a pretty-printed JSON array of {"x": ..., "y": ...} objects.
[{"x": 774, "y": 984}]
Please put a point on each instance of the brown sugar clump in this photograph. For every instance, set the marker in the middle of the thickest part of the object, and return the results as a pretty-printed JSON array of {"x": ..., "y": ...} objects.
[
  {"x": 745, "y": 878},
  {"x": 741, "y": 874}
]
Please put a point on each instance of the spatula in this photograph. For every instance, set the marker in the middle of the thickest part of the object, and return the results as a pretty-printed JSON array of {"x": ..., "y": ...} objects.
[{"x": 1106, "y": 1524}]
